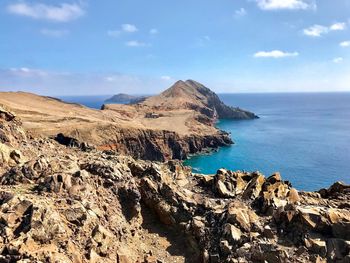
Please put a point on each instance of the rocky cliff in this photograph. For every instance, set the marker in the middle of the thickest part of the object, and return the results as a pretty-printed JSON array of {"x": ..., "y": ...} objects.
[
  {"x": 146, "y": 144},
  {"x": 62, "y": 204},
  {"x": 159, "y": 129},
  {"x": 193, "y": 95}
]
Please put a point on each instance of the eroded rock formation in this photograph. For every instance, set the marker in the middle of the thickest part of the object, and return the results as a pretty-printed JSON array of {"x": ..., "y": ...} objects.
[{"x": 62, "y": 204}]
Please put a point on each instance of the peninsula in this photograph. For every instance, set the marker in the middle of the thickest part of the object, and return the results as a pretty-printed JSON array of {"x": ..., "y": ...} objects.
[{"x": 82, "y": 185}]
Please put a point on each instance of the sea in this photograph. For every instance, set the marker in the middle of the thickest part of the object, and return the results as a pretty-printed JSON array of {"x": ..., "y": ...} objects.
[{"x": 304, "y": 136}]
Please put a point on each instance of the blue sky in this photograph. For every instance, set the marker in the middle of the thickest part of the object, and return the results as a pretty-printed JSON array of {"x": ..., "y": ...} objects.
[{"x": 70, "y": 47}]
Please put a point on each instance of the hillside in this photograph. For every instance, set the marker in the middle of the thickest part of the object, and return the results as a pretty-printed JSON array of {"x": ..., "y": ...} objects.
[
  {"x": 178, "y": 122},
  {"x": 68, "y": 205},
  {"x": 195, "y": 96}
]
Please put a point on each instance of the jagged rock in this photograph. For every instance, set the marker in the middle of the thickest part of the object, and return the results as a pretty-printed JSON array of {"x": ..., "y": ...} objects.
[
  {"x": 222, "y": 190},
  {"x": 293, "y": 196},
  {"x": 232, "y": 233},
  {"x": 254, "y": 187},
  {"x": 225, "y": 247},
  {"x": 239, "y": 213},
  {"x": 67, "y": 205},
  {"x": 316, "y": 246},
  {"x": 130, "y": 199},
  {"x": 267, "y": 232},
  {"x": 76, "y": 214},
  {"x": 103, "y": 238}
]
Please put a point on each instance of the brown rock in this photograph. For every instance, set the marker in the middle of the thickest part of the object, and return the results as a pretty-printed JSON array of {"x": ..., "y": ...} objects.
[
  {"x": 232, "y": 233},
  {"x": 222, "y": 190},
  {"x": 293, "y": 196},
  {"x": 238, "y": 213},
  {"x": 317, "y": 246},
  {"x": 254, "y": 187}
]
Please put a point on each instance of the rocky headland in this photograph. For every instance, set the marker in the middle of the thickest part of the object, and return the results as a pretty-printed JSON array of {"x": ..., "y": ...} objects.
[
  {"x": 178, "y": 122},
  {"x": 81, "y": 185}
]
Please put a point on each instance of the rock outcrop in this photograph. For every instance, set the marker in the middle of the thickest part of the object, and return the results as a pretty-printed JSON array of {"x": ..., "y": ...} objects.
[{"x": 62, "y": 204}]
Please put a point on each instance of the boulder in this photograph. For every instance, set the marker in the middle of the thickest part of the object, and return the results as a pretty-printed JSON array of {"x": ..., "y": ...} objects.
[
  {"x": 254, "y": 187},
  {"x": 222, "y": 190},
  {"x": 240, "y": 214},
  {"x": 316, "y": 246},
  {"x": 232, "y": 233},
  {"x": 103, "y": 238}
]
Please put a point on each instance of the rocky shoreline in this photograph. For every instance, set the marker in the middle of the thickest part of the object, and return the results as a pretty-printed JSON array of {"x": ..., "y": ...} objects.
[{"x": 63, "y": 204}]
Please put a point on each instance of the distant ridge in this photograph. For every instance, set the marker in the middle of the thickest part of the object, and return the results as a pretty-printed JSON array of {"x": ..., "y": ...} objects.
[{"x": 123, "y": 98}]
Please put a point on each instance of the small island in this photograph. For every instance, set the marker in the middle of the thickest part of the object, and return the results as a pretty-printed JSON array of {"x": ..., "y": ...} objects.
[{"x": 123, "y": 98}]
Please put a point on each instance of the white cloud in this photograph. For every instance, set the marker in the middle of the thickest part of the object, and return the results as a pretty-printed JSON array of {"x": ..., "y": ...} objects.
[
  {"x": 338, "y": 26},
  {"x": 129, "y": 28},
  {"x": 345, "y": 44},
  {"x": 285, "y": 4},
  {"x": 135, "y": 43},
  {"x": 338, "y": 60},
  {"x": 27, "y": 72},
  {"x": 58, "y": 13},
  {"x": 153, "y": 31},
  {"x": 240, "y": 12},
  {"x": 124, "y": 28},
  {"x": 315, "y": 31},
  {"x": 275, "y": 54},
  {"x": 166, "y": 78},
  {"x": 319, "y": 30},
  {"x": 54, "y": 33}
]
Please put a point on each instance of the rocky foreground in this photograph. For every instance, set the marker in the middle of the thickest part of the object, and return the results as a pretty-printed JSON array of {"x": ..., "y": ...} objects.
[{"x": 63, "y": 204}]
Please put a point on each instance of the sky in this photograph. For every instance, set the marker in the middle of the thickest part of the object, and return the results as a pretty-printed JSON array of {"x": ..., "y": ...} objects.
[{"x": 90, "y": 47}]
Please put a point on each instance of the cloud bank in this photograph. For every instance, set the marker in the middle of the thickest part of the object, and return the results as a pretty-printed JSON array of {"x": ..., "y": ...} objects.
[{"x": 57, "y": 13}]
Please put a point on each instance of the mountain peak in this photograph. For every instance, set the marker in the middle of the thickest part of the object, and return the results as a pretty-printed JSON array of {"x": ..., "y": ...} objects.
[{"x": 191, "y": 94}]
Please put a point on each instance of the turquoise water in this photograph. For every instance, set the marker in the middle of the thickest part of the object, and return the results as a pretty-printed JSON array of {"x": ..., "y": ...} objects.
[{"x": 304, "y": 136}]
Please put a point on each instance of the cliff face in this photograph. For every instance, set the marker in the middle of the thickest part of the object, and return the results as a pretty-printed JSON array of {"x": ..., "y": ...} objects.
[
  {"x": 151, "y": 145},
  {"x": 61, "y": 204},
  {"x": 220, "y": 109}
]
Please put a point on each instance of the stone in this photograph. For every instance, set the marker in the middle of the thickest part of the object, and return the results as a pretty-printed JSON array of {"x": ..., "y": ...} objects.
[
  {"x": 293, "y": 196},
  {"x": 267, "y": 232},
  {"x": 238, "y": 213},
  {"x": 316, "y": 246},
  {"x": 254, "y": 187},
  {"x": 76, "y": 215},
  {"x": 276, "y": 177},
  {"x": 311, "y": 217},
  {"x": 337, "y": 248},
  {"x": 222, "y": 189},
  {"x": 103, "y": 238},
  {"x": 225, "y": 247},
  {"x": 232, "y": 233}
]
